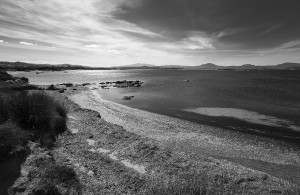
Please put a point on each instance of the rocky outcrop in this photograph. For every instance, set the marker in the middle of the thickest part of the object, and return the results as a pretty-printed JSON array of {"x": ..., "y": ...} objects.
[
  {"x": 127, "y": 97},
  {"x": 121, "y": 84}
]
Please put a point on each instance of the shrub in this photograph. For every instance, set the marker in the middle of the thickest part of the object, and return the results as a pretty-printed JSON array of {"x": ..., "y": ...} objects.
[
  {"x": 12, "y": 138},
  {"x": 4, "y": 76},
  {"x": 4, "y": 109},
  {"x": 22, "y": 87},
  {"x": 51, "y": 87},
  {"x": 56, "y": 179},
  {"x": 24, "y": 80},
  {"x": 38, "y": 113}
]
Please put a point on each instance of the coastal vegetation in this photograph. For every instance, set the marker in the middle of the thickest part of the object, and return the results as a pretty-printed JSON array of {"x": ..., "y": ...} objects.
[
  {"x": 26, "y": 118},
  {"x": 36, "y": 113}
]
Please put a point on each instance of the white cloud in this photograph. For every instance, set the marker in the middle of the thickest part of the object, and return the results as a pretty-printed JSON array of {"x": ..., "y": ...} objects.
[
  {"x": 26, "y": 43},
  {"x": 113, "y": 51},
  {"x": 84, "y": 28},
  {"x": 1, "y": 41},
  {"x": 91, "y": 46},
  {"x": 197, "y": 42},
  {"x": 68, "y": 24}
]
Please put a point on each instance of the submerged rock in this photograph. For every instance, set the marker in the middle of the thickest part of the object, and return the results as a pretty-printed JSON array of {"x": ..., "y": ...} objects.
[{"x": 127, "y": 97}]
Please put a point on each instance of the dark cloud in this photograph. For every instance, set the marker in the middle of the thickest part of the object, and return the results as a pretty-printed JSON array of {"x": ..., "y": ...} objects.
[{"x": 238, "y": 24}]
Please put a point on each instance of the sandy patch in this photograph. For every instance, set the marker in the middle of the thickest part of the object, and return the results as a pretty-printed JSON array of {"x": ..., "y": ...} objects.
[
  {"x": 102, "y": 150},
  {"x": 138, "y": 168}
]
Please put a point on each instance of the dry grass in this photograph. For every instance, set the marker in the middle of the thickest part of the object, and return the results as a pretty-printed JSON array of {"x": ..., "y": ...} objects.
[{"x": 191, "y": 184}]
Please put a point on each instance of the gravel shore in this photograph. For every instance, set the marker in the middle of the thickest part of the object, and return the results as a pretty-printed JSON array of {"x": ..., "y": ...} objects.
[{"x": 109, "y": 159}]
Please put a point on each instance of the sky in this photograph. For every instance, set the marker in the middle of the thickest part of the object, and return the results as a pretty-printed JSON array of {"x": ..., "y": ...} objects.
[{"x": 161, "y": 32}]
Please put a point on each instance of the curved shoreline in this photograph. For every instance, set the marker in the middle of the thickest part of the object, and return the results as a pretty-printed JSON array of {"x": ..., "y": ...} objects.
[{"x": 195, "y": 139}]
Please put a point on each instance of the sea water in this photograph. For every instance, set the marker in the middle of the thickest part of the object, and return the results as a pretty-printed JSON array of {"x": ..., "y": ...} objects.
[{"x": 263, "y": 102}]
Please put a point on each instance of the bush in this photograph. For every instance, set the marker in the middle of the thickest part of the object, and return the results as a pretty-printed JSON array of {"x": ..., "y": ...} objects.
[
  {"x": 4, "y": 109},
  {"x": 51, "y": 87},
  {"x": 37, "y": 113},
  {"x": 56, "y": 179},
  {"x": 4, "y": 76},
  {"x": 12, "y": 138},
  {"x": 24, "y": 80}
]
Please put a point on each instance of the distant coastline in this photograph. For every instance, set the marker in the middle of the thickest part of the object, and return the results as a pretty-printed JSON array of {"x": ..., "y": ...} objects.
[{"x": 23, "y": 66}]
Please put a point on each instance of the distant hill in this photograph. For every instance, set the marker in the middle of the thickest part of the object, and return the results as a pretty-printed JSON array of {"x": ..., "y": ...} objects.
[
  {"x": 289, "y": 65},
  {"x": 22, "y": 66},
  {"x": 137, "y": 66},
  {"x": 210, "y": 66}
]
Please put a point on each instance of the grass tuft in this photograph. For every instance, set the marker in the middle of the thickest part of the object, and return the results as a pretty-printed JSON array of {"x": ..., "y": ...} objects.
[{"x": 35, "y": 112}]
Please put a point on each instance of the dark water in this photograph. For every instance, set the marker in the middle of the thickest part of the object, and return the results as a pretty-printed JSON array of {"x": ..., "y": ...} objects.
[
  {"x": 274, "y": 96},
  {"x": 263, "y": 102}
]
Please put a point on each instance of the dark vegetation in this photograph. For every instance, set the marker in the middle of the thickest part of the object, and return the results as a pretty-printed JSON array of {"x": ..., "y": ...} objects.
[
  {"x": 10, "y": 83},
  {"x": 12, "y": 138},
  {"x": 22, "y": 66},
  {"x": 56, "y": 179},
  {"x": 36, "y": 113},
  {"x": 34, "y": 116}
]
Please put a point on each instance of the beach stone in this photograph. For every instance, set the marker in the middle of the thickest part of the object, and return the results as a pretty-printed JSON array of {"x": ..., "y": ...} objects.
[
  {"x": 72, "y": 117},
  {"x": 264, "y": 177},
  {"x": 91, "y": 142},
  {"x": 73, "y": 192},
  {"x": 90, "y": 173},
  {"x": 82, "y": 169},
  {"x": 92, "y": 150},
  {"x": 74, "y": 131},
  {"x": 91, "y": 136},
  {"x": 102, "y": 150}
]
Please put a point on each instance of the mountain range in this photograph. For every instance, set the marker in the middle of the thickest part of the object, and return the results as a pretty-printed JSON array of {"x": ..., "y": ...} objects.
[
  {"x": 210, "y": 66},
  {"x": 22, "y": 66}
]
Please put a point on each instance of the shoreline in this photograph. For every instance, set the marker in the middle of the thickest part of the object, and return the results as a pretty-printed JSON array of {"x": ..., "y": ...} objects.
[
  {"x": 110, "y": 158},
  {"x": 160, "y": 127},
  {"x": 249, "y": 151}
]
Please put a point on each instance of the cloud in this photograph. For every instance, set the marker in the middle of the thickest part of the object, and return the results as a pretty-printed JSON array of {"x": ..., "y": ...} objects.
[
  {"x": 151, "y": 30},
  {"x": 271, "y": 29},
  {"x": 1, "y": 41},
  {"x": 91, "y": 46},
  {"x": 198, "y": 41},
  {"x": 26, "y": 43}
]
